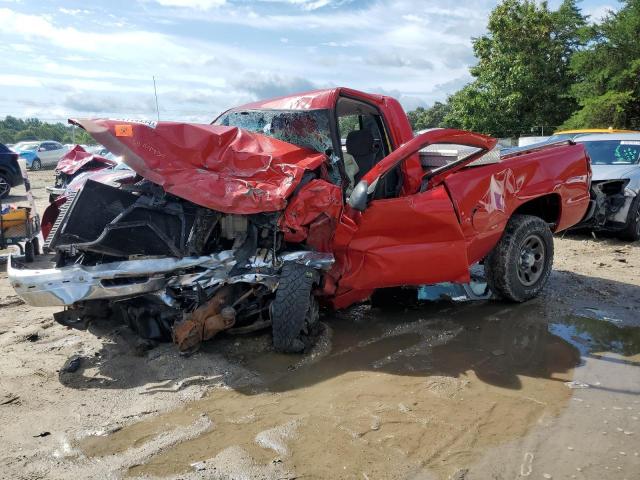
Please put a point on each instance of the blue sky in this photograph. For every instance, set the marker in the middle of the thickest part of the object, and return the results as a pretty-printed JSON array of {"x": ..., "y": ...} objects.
[{"x": 65, "y": 59}]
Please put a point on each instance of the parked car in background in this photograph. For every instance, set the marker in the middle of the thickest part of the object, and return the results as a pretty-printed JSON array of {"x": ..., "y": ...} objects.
[
  {"x": 525, "y": 143},
  {"x": 40, "y": 154},
  {"x": 97, "y": 150},
  {"x": 10, "y": 175},
  {"x": 615, "y": 187},
  {"x": 573, "y": 134}
]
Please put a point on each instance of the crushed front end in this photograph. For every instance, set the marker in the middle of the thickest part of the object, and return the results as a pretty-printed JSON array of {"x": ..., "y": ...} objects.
[
  {"x": 174, "y": 269},
  {"x": 611, "y": 201}
]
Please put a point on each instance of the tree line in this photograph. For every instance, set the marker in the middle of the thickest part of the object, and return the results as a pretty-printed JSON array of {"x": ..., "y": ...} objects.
[
  {"x": 538, "y": 67},
  {"x": 14, "y": 130}
]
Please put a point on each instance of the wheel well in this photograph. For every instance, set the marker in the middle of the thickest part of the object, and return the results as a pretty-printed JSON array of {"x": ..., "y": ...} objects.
[{"x": 546, "y": 207}]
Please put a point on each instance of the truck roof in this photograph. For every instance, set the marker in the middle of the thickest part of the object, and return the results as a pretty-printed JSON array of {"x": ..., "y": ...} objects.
[{"x": 311, "y": 100}]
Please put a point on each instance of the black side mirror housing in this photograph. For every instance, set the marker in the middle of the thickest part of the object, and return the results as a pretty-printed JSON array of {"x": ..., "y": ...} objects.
[{"x": 359, "y": 197}]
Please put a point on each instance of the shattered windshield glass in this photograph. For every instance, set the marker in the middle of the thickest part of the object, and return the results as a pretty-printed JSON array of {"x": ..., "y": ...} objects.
[
  {"x": 308, "y": 129},
  {"x": 614, "y": 152}
]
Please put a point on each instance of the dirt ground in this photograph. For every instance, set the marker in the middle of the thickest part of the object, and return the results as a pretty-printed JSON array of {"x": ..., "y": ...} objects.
[{"x": 483, "y": 390}]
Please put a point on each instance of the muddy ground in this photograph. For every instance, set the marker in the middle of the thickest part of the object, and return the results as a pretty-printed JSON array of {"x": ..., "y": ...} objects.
[{"x": 486, "y": 390}]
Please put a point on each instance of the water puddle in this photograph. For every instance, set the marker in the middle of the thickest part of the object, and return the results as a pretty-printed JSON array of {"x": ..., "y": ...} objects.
[
  {"x": 397, "y": 394},
  {"x": 600, "y": 338}
]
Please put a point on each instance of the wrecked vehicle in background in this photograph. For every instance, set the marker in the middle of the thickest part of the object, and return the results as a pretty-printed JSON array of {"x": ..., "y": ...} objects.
[
  {"x": 75, "y": 162},
  {"x": 256, "y": 219},
  {"x": 615, "y": 161}
]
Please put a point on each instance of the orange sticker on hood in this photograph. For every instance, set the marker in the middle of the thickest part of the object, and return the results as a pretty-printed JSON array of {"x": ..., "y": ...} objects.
[{"x": 124, "y": 130}]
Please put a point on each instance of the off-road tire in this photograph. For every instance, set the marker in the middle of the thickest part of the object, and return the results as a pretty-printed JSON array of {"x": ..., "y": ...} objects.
[
  {"x": 504, "y": 261},
  {"x": 5, "y": 186},
  {"x": 36, "y": 164},
  {"x": 631, "y": 232},
  {"x": 294, "y": 310}
]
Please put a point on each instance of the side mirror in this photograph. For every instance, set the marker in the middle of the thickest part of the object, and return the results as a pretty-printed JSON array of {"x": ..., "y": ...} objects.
[
  {"x": 359, "y": 197},
  {"x": 41, "y": 149}
]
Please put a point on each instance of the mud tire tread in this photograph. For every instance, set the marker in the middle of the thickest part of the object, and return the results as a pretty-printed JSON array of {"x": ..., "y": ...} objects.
[
  {"x": 501, "y": 263},
  {"x": 290, "y": 306}
]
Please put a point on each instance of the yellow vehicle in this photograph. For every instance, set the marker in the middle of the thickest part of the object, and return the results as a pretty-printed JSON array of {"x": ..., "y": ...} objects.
[{"x": 572, "y": 134}]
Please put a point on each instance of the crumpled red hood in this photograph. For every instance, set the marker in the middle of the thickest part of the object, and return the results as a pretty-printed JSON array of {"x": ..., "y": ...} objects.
[
  {"x": 78, "y": 157},
  {"x": 222, "y": 168}
]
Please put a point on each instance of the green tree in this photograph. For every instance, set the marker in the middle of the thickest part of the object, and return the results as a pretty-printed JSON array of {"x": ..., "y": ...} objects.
[
  {"x": 432, "y": 117},
  {"x": 522, "y": 78},
  {"x": 13, "y": 130},
  {"x": 608, "y": 73}
]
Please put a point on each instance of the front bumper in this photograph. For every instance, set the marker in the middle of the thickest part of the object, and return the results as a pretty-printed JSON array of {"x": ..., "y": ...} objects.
[{"x": 75, "y": 283}]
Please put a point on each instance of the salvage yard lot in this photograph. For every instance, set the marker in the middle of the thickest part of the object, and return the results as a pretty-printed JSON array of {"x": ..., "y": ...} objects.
[{"x": 485, "y": 390}]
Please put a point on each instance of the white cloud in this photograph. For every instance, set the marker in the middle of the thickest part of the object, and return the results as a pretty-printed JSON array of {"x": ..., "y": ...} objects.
[
  {"x": 10, "y": 80},
  {"x": 308, "y": 5},
  {"x": 597, "y": 14},
  {"x": 73, "y": 11},
  {"x": 411, "y": 49},
  {"x": 195, "y": 4}
]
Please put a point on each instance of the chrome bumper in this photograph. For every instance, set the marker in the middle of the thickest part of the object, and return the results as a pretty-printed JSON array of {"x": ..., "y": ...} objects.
[{"x": 74, "y": 283}]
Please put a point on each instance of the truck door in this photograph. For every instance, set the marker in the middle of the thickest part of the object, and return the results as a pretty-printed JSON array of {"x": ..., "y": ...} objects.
[{"x": 407, "y": 240}]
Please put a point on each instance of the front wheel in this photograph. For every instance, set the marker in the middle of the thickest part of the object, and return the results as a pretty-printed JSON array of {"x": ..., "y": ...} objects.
[
  {"x": 632, "y": 231},
  {"x": 36, "y": 164},
  {"x": 519, "y": 266},
  {"x": 294, "y": 310}
]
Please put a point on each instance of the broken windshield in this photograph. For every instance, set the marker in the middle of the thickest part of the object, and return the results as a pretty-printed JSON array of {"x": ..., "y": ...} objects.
[
  {"x": 307, "y": 129},
  {"x": 613, "y": 152}
]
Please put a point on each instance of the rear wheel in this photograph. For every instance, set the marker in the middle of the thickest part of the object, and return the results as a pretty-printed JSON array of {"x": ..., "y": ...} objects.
[
  {"x": 5, "y": 186},
  {"x": 36, "y": 164},
  {"x": 294, "y": 310},
  {"x": 632, "y": 230},
  {"x": 519, "y": 266}
]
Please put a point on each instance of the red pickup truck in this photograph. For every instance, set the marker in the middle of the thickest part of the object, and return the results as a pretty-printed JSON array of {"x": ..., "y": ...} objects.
[{"x": 282, "y": 205}]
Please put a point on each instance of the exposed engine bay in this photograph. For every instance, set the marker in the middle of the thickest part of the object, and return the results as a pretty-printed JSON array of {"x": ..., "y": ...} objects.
[{"x": 167, "y": 267}]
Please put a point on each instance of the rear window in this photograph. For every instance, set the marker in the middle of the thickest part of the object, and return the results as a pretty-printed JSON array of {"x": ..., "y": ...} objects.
[
  {"x": 3, "y": 148},
  {"x": 614, "y": 152}
]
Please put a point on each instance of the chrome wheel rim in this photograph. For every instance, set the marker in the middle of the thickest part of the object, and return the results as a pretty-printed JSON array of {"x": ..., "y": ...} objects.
[{"x": 531, "y": 260}]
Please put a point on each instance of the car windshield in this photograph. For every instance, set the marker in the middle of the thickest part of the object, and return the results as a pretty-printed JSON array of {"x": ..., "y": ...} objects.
[
  {"x": 27, "y": 146},
  {"x": 614, "y": 152},
  {"x": 307, "y": 129}
]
